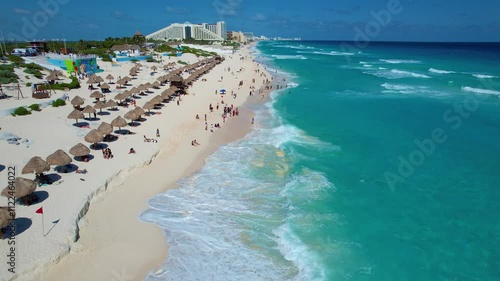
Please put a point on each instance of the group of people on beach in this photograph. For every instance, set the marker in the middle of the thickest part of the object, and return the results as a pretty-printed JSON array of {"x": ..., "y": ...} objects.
[{"x": 106, "y": 153}]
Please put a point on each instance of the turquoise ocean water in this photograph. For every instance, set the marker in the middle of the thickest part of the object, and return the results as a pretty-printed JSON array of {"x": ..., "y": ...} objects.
[{"x": 379, "y": 163}]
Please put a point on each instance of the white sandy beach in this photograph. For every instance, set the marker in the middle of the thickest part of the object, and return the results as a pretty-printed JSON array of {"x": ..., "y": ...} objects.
[{"x": 100, "y": 209}]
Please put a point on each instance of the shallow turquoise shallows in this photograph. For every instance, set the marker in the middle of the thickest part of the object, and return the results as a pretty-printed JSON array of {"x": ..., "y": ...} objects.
[{"x": 377, "y": 164}]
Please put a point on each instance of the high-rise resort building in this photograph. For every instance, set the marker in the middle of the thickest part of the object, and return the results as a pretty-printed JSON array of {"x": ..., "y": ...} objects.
[{"x": 181, "y": 31}]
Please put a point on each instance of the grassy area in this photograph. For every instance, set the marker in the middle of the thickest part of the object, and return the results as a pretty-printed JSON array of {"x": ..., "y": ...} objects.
[
  {"x": 197, "y": 52},
  {"x": 58, "y": 102},
  {"x": 34, "y": 107},
  {"x": 34, "y": 69},
  {"x": 20, "y": 111},
  {"x": 185, "y": 50},
  {"x": 74, "y": 84},
  {"x": 7, "y": 74}
]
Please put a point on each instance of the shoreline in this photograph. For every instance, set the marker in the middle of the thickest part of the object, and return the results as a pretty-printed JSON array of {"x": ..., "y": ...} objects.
[{"x": 124, "y": 185}]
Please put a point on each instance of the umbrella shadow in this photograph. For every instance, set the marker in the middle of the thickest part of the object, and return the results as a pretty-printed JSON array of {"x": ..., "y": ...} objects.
[
  {"x": 81, "y": 124},
  {"x": 138, "y": 97},
  {"x": 98, "y": 146},
  {"x": 17, "y": 226},
  {"x": 103, "y": 113},
  {"x": 53, "y": 177},
  {"x": 113, "y": 109},
  {"x": 142, "y": 119},
  {"x": 70, "y": 168},
  {"x": 134, "y": 124},
  {"x": 82, "y": 158},
  {"x": 40, "y": 195},
  {"x": 32, "y": 199},
  {"x": 2, "y": 167},
  {"x": 92, "y": 119},
  {"x": 110, "y": 138},
  {"x": 122, "y": 132}
]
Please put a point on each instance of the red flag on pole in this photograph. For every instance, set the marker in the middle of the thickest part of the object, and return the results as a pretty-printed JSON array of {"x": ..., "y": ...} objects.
[{"x": 39, "y": 211}]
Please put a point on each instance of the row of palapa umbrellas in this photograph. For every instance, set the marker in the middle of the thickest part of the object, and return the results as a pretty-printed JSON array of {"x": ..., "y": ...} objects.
[{"x": 25, "y": 187}]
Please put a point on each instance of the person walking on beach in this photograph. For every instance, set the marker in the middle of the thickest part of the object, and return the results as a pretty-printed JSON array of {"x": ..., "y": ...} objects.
[
  {"x": 157, "y": 133},
  {"x": 252, "y": 120}
]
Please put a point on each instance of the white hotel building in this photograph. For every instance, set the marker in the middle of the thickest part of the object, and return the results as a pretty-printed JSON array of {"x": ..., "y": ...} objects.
[{"x": 181, "y": 31}]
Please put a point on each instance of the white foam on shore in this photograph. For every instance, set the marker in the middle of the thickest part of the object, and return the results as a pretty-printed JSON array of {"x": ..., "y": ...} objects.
[
  {"x": 289, "y": 57},
  {"x": 396, "y": 61},
  {"x": 484, "y": 76},
  {"x": 334, "y": 53},
  {"x": 397, "y": 74},
  {"x": 439, "y": 71},
  {"x": 480, "y": 91}
]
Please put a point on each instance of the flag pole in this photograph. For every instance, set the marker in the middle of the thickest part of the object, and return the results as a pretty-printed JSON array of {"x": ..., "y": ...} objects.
[{"x": 43, "y": 226}]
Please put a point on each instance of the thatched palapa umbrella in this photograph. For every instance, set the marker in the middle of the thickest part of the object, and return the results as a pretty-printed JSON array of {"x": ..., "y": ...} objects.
[
  {"x": 79, "y": 150},
  {"x": 156, "y": 84},
  {"x": 131, "y": 115},
  {"x": 89, "y": 109},
  {"x": 22, "y": 187},
  {"x": 105, "y": 86},
  {"x": 94, "y": 137},
  {"x": 110, "y": 78},
  {"x": 96, "y": 95},
  {"x": 76, "y": 114},
  {"x": 100, "y": 105},
  {"x": 6, "y": 215},
  {"x": 99, "y": 79},
  {"x": 121, "y": 82},
  {"x": 119, "y": 122},
  {"x": 157, "y": 100},
  {"x": 139, "y": 111},
  {"x": 59, "y": 158},
  {"x": 36, "y": 165},
  {"x": 120, "y": 97},
  {"x": 148, "y": 106},
  {"x": 110, "y": 104},
  {"x": 154, "y": 68},
  {"x": 135, "y": 90},
  {"x": 92, "y": 80},
  {"x": 105, "y": 128},
  {"x": 51, "y": 77},
  {"x": 77, "y": 101}
]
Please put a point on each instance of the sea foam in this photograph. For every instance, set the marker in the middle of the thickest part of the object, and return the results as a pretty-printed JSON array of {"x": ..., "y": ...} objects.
[
  {"x": 438, "y": 71},
  {"x": 289, "y": 57},
  {"x": 480, "y": 91},
  {"x": 396, "y": 61}
]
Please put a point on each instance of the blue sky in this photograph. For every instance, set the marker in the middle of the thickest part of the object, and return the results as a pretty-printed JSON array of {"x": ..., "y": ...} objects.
[{"x": 417, "y": 20}]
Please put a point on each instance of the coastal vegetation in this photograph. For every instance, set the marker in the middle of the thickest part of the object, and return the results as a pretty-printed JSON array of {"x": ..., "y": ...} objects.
[
  {"x": 34, "y": 69},
  {"x": 58, "y": 102},
  {"x": 7, "y": 74},
  {"x": 74, "y": 84},
  {"x": 34, "y": 107},
  {"x": 20, "y": 111}
]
